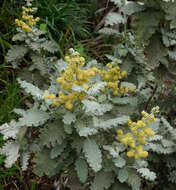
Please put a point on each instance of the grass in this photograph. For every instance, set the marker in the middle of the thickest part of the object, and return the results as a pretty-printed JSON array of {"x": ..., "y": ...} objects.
[
  {"x": 66, "y": 21},
  {"x": 9, "y": 10},
  {"x": 9, "y": 99},
  {"x": 9, "y": 89}
]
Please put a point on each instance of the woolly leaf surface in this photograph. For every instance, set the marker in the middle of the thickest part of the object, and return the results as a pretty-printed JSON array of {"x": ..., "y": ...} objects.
[
  {"x": 172, "y": 176},
  {"x": 128, "y": 84},
  {"x": 156, "y": 57},
  {"x": 31, "y": 89},
  {"x": 93, "y": 154},
  {"x": 40, "y": 63},
  {"x": 81, "y": 169},
  {"x": 25, "y": 160},
  {"x": 114, "y": 18},
  {"x": 9, "y": 130},
  {"x": 33, "y": 117},
  {"x": 57, "y": 150},
  {"x": 119, "y": 162},
  {"x": 123, "y": 175},
  {"x": 11, "y": 150},
  {"x": 49, "y": 46},
  {"x": 172, "y": 55},
  {"x": 113, "y": 151},
  {"x": 147, "y": 174},
  {"x": 35, "y": 46},
  {"x": 145, "y": 24},
  {"x": 69, "y": 118},
  {"x": 87, "y": 131},
  {"x": 132, "y": 7},
  {"x": 102, "y": 180},
  {"x": 108, "y": 31},
  {"x": 116, "y": 2},
  {"x": 110, "y": 123},
  {"x": 68, "y": 129},
  {"x": 44, "y": 164},
  {"x": 134, "y": 180},
  {"x": 95, "y": 108},
  {"x": 120, "y": 186},
  {"x": 15, "y": 54},
  {"x": 155, "y": 138},
  {"x": 96, "y": 88},
  {"x": 125, "y": 100},
  {"x": 170, "y": 13},
  {"x": 167, "y": 143},
  {"x": 52, "y": 134},
  {"x": 19, "y": 37}
]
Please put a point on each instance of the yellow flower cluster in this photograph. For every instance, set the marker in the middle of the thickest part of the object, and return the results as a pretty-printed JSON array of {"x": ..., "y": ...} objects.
[
  {"x": 28, "y": 20},
  {"x": 112, "y": 76},
  {"x": 73, "y": 75},
  {"x": 139, "y": 133}
]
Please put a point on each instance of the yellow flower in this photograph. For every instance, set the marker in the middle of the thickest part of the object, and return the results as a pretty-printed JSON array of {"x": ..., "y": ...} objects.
[
  {"x": 124, "y": 140},
  {"x": 119, "y": 132},
  {"x": 115, "y": 92},
  {"x": 115, "y": 78},
  {"x": 149, "y": 132},
  {"x": 131, "y": 153},
  {"x": 55, "y": 103},
  {"x": 103, "y": 89},
  {"x": 137, "y": 156},
  {"x": 109, "y": 65},
  {"x": 47, "y": 96},
  {"x": 68, "y": 105},
  {"x": 85, "y": 86},
  {"x": 82, "y": 96},
  {"x": 131, "y": 89},
  {"x": 144, "y": 154},
  {"x": 80, "y": 76},
  {"x": 123, "y": 73},
  {"x": 91, "y": 73},
  {"x": 132, "y": 144},
  {"x": 141, "y": 140},
  {"x": 141, "y": 134},
  {"x": 52, "y": 96},
  {"x": 67, "y": 58},
  {"x": 37, "y": 19},
  {"x": 60, "y": 80},
  {"x": 126, "y": 90}
]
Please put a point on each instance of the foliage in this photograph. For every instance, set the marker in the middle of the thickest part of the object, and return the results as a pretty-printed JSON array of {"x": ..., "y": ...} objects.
[
  {"x": 8, "y": 9},
  {"x": 10, "y": 98},
  {"x": 66, "y": 21},
  {"x": 144, "y": 43},
  {"x": 79, "y": 108},
  {"x": 85, "y": 118}
]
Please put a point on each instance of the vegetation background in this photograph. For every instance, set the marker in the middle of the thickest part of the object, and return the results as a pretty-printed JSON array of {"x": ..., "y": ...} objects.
[{"x": 75, "y": 23}]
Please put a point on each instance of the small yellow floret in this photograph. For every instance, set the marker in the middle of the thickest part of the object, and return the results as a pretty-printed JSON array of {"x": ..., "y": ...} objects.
[
  {"x": 37, "y": 19},
  {"x": 115, "y": 92},
  {"x": 67, "y": 58},
  {"x": 52, "y": 96},
  {"x": 119, "y": 132},
  {"x": 68, "y": 105},
  {"x": 86, "y": 87},
  {"x": 131, "y": 89},
  {"x": 103, "y": 89},
  {"x": 123, "y": 73},
  {"x": 131, "y": 153},
  {"x": 47, "y": 96},
  {"x": 144, "y": 154},
  {"x": 55, "y": 103}
]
